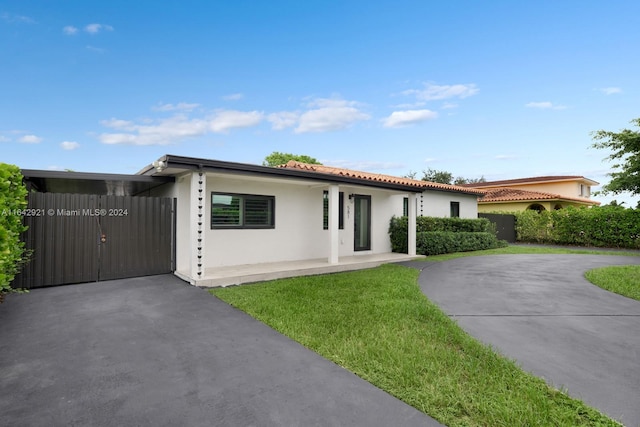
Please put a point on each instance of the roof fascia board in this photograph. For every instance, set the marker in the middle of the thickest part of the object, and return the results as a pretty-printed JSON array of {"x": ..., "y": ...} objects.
[{"x": 90, "y": 176}]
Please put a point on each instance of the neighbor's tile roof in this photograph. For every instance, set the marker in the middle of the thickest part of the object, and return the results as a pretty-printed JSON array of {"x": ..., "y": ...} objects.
[
  {"x": 292, "y": 164},
  {"x": 532, "y": 180},
  {"x": 515, "y": 195}
]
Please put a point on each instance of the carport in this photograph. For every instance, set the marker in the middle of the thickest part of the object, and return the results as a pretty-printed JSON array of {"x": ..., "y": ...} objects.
[{"x": 86, "y": 227}]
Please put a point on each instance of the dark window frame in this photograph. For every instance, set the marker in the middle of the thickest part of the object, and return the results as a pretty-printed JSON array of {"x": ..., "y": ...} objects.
[
  {"x": 454, "y": 209},
  {"x": 242, "y": 223},
  {"x": 325, "y": 210}
]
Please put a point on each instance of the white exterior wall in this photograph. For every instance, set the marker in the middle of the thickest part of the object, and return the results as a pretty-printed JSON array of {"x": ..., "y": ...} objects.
[
  {"x": 438, "y": 204},
  {"x": 297, "y": 235}
]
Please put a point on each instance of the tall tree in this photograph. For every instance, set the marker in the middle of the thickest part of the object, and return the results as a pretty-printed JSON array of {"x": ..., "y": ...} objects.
[
  {"x": 276, "y": 158},
  {"x": 625, "y": 152}
]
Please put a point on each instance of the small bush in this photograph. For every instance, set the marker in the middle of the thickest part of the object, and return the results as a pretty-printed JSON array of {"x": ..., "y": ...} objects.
[
  {"x": 436, "y": 236},
  {"x": 12, "y": 201}
]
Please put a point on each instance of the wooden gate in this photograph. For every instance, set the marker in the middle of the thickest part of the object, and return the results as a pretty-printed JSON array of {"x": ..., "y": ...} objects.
[{"x": 78, "y": 238}]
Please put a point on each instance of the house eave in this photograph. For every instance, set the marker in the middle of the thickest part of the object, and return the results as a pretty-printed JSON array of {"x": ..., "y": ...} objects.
[{"x": 173, "y": 164}]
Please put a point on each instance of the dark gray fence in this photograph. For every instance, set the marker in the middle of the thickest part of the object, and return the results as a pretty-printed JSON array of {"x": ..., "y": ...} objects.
[
  {"x": 78, "y": 238},
  {"x": 505, "y": 225}
]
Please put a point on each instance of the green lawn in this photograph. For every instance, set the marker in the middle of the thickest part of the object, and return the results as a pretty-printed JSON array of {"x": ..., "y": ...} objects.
[
  {"x": 623, "y": 279},
  {"x": 377, "y": 324}
]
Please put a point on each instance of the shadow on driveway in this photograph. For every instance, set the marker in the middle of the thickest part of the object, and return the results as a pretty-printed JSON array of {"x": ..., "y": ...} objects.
[{"x": 154, "y": 351}]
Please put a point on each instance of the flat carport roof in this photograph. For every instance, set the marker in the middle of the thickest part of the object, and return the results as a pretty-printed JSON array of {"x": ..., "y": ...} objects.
[{"x": 91, "y": 183}]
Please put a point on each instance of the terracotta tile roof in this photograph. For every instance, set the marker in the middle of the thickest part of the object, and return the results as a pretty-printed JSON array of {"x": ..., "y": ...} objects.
[
  {"x": 292, "y": 164},
  {"x": 515, "y": 195},
  {"x": 532, "y": 180}
]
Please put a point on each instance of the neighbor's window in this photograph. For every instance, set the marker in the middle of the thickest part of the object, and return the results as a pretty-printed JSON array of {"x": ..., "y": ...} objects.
[
  {"x": 242, "y": 211},
  {"x": 405, "y": 206},
  {"x": 325, "y": 210},
  {"x": 455, "y": 209}
]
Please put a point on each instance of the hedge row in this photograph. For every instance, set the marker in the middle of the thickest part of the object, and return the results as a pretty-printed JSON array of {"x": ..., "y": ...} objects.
[
  {"x": 13, "y": 199},
  {"x": 443, "y": 235},
  {"x": 606, "y": 226},
  {"x": 446, "y": 242}
]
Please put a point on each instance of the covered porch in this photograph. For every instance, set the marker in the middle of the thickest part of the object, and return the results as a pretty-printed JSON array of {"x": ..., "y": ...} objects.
[{"x": 249, "y": 273}]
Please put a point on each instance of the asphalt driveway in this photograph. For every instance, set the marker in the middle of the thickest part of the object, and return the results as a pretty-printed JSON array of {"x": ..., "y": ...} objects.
[
  {"x": 542, "y": 312},
  {"x": 154, "y": 351}
]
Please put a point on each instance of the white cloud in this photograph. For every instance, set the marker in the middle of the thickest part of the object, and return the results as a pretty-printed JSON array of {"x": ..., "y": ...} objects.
[
  {"x": 181, "y": 106},
  {"x": 610, "y": 90},
  {"x": 545, "y": 105},
  {"x": 177, "y": 128},
  {"x": 328, "y": 115},
  {"x": 449, "y": 105},
  {"x": 70, "y": 30},
  {"x": 96, "y": 28},
  {"x": 95, "y": 49},
  {"x": 408, "y": 117},
  {"x": 225, "y": 120},
  {"x": 19, "y": 19},
  {"x": 283, "y": 119},
  {"x": 69, "y": 145},
  {"x": 506, "y": 157},
  {"x": 30, "y": 139},
  {"x": 233, "y": 97},
  {"x": 4, "y": 138},
  {"x": 432, "y": 92},
  {"x": 118, "y": 124}
]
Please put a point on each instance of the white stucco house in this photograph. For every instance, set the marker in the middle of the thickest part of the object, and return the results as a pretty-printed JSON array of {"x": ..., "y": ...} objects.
[{"x": 238, "y": 222}]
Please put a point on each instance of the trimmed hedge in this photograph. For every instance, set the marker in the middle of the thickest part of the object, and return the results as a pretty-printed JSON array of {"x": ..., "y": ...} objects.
[
  {"x": 446, "y": 242},
  {"x": 13, "y": 199},
  {"x": 444, "y": 235},
  {"x": 606, "y": 226}
]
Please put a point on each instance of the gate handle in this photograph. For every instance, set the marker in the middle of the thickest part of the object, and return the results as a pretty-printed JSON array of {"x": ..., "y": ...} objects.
[{"x": 103, "y": 238}]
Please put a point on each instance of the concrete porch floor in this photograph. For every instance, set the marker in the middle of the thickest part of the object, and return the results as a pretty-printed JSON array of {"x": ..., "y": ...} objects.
[{"x": 249, "y": 273}]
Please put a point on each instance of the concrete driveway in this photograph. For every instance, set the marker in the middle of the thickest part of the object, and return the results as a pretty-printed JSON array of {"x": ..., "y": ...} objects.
[
  {"x": 154, "y": 351},
  {"x": 542, "y": 312}
]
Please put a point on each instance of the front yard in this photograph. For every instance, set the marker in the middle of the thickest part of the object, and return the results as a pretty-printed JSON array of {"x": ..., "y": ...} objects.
[{"x": 377, "y": 324}]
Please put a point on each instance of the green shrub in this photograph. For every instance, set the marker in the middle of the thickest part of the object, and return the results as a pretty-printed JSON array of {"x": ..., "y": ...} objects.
[
  {"x": 446, "y": 242},
  {"x": 607, "y": 226},
  {"x": 12, "y": 200},
  {"x": 444, "y": 235}
]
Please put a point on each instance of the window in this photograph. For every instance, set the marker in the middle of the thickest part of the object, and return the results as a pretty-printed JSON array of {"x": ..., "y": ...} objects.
[
  {"x": 325, "y": 210},
  {"x": 242, "y": 211},
  {"x": 405, "y": 206},
  {"x": 584, "y": 190},
  {"x": 455, "y": 209}
]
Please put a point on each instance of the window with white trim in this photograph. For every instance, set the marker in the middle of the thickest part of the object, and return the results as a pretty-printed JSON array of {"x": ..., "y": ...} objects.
[{"x": 230, "y": 210}]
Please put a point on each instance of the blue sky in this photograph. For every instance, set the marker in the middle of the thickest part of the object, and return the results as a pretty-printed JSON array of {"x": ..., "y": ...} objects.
[{"x": 500, "y": 89}]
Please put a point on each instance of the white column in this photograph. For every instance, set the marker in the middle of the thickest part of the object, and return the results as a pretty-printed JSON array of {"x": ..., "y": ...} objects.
[
  {"x": 411, "y": 235},
  {"x": 197, "y": 225},
  {"x": 334, "y": 237}
]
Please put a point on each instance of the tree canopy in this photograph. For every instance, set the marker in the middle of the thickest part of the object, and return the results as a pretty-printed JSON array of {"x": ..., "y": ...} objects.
[
  {"x": 444, "y": 177},
  {"x": 276, "y": 158},
  {"x": 625, "y": 152}
]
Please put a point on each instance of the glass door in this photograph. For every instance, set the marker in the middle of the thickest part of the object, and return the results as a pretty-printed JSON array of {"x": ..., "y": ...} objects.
[{"x": 362, "y": 223}]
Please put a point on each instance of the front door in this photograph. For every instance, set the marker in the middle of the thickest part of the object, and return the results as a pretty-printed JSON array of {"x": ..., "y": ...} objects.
[{"x": 362, "y": 223}]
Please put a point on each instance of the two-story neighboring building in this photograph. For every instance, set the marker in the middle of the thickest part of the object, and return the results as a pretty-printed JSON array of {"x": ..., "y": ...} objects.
[{"x": 537, "y": 193}]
